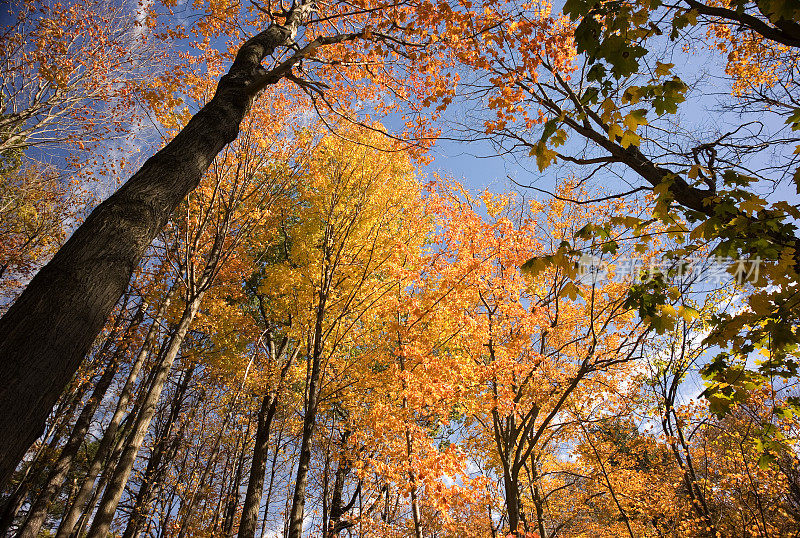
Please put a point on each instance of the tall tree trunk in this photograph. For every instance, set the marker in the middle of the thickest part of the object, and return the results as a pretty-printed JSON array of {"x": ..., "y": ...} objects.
[
  {"x": 512, "y": 502},
  {"x": 233, "y": 497},
  {"x": 58, "y": 473},
  {"x": 33, "y": 472},
  {"x": 258, "y": 469},
  {"x": 188, "y": 508},
  {"x": 691, "y": 483},
  {"x": 41, "y": 461},
  {"x": 337, "y": 521},
  {"x": 109, "y": 440},
  {"x": 116, "y": 484},
  {"x": 111, "y": 462},
  {"x": 272, "y": 478},
  {"x": 220, "y": 509},
  {"x": 415, "y": 512},
  {"x": 309, "y": 420},
  {"x": 165, "y": 446},
  {"x": 536, "y": 495},
  {"x": 46, "y": 333}
]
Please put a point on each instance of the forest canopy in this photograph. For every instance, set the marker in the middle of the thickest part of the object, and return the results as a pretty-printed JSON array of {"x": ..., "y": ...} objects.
[{"x": 386, "y": 268}]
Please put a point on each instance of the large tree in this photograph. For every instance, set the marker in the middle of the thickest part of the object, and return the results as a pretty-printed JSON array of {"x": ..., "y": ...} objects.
[{"x": 48, "y": 330}]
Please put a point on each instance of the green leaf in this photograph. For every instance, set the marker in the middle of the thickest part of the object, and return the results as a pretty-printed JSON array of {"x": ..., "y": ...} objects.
[
  {"x": 766, "y": 460},
  {"x": 609, "y": 247},
  {"x": 589, "y": 96},
  {"x": 794, "y": 119},
  {"x": 549, "y": 128},
  {"x": 570, "y": 290},
  {"x": 585, "y": 232},
  {"x": 662, "y": 70}
]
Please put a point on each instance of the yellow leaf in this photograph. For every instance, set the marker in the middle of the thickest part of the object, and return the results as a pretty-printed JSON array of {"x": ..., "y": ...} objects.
[{"x": 630, "y": 138}]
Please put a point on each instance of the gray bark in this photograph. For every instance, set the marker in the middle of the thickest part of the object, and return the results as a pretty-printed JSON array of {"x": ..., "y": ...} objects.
[
  {"x": 258, "y": 468},
  {"x": 41, "y": 462},
  {"x": 309, "y": 421},
  {"x": 164, "y": 450},
  {"x": 58, "y": 473}
]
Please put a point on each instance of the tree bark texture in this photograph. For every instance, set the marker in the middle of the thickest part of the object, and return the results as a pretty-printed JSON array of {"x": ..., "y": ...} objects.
[
  {"x": 309, "y": 421},
  {"x": 75, "y": 508},
  {"x": 164, "y": 450},
  {"x": 58, "y": 473},
  {"x": 119, "y": 478},
  {"x": 46, "y": 333}
]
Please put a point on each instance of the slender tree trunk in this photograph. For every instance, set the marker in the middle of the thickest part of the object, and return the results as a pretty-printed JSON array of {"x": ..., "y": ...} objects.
[
  {"x": 109, "y": 440},
  {"x": 503, "y": 429},
  {"x": 31, "y": 475},
  {"x": 166, "y": 506},
  {"x": 116, "y": 485},
  {"x": 12, "y": 506},
  {"x": 271, "y": 479},
  {"x": 609, "y": 485},
  {"x": 108, "y": 468},
  {"x": 20, "y": 493},
  {"x": 236, "y": 483},
  {"x": 415, "y": 512},
  {"x": 696, "y": 495},
  {"x": 338, "y": 509},
  {"x": 512, "y": 502},
  {"x": 58, "y": 472},
  {"x": 162, "y": 448},
  {"x": 188, "y": 507},
  {"x": 309, "y": 420},
  {"x": 40, "y": 463},
  {"x": 219, "y": 511},
  {"x": 46, "y": 333},
  {"x": 258, "y": 469},
  {"x": 536, "y": 497}
]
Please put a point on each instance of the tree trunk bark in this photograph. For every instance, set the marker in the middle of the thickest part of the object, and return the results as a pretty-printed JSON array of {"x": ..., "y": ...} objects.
[
  {"x": 271, "y": 479},
  {"x": 219, "y": 510},
  {"x": 58, "y": 473},
  {"x": 187, "y": 508},
  {"x": 164, "y": 447},
  {"x": 116, "y": 485},
  {"x": 258, "y": 469},
  {"x": 46, "y": 333},
  {"x": 309, "y": 420},
  {"x": 337, "y": 522},
  {"x": 229, "y": 514},
  {"x": 39, "y": 466},
  {"x": 415, "y": 512},
  {"x": 17, "y": 497},
  {"x": 109, "y": 439}
]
